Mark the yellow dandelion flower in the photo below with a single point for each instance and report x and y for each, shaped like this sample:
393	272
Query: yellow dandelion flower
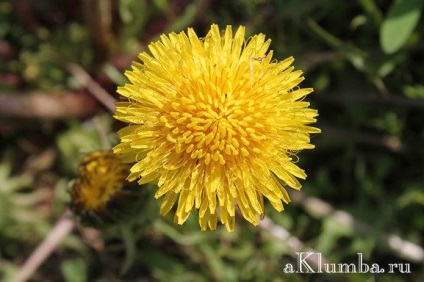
102	177
215	121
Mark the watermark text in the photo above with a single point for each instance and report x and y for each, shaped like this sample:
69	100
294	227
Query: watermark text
304	265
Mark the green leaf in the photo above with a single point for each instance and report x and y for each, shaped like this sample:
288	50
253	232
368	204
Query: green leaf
401	20
414	91
74	270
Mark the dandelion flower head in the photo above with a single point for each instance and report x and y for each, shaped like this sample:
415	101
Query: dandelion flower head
101	177
216	122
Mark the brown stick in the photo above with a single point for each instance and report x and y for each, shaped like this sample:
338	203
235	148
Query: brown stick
291	241
37	105
98	17
394	243
62	228
391	143
369	98
95	89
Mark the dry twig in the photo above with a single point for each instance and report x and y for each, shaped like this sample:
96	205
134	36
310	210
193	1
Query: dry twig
62	228
58	105
388	142
291	241
95	89
318	208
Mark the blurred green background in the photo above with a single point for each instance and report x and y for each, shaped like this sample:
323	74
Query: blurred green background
365	187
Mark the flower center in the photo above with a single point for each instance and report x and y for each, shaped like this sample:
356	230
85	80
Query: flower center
214	132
